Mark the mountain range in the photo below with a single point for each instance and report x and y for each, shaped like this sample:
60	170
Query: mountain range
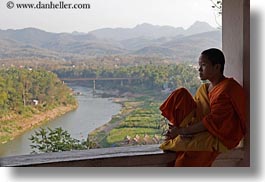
142	40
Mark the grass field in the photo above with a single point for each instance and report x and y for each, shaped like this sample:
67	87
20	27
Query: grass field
139	116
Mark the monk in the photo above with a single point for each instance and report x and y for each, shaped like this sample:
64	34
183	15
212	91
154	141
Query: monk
211	122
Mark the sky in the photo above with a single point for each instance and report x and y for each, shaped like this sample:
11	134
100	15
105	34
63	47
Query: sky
106	14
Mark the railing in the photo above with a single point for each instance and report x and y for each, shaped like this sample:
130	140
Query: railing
133	156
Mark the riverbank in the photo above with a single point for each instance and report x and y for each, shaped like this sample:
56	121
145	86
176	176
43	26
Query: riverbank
100	133
13	126
139	116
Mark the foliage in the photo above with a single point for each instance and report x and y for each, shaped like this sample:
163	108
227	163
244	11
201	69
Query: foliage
55	140
142	119
141	115
217	5
149	76
20	87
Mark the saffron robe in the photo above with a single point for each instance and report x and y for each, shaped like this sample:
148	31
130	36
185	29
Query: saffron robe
227	118
222	112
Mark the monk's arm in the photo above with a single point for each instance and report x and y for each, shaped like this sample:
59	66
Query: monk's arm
190	130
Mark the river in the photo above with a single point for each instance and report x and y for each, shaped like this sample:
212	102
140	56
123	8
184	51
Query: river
91	113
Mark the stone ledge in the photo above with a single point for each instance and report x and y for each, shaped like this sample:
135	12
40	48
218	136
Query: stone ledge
133	156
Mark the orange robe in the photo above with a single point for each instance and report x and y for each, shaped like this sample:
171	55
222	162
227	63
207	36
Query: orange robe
224	107
227	119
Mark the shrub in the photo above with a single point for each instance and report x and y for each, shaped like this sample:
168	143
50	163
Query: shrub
49	140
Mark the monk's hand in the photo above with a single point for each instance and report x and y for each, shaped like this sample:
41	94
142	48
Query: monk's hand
167	135
172	132
186	137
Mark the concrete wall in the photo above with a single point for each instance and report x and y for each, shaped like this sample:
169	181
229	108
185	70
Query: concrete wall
236	47
132	156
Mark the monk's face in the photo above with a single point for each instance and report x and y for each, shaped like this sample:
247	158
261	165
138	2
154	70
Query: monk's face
206	69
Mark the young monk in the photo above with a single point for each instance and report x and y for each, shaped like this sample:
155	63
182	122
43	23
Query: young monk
211	122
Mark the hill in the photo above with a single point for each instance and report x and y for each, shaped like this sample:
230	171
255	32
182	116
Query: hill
151	31
142	40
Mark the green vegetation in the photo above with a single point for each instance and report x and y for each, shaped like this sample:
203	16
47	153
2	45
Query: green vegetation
25	93
148	77
19	88
56	140
140	116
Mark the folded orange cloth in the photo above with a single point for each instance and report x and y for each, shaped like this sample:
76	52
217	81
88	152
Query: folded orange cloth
181	109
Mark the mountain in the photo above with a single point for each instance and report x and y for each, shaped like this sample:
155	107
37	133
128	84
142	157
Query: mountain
142	40
199	27
62	43
13	49
150	31
183	48
31	36
188	47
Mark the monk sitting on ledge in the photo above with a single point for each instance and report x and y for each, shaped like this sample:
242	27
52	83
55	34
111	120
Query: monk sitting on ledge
211	122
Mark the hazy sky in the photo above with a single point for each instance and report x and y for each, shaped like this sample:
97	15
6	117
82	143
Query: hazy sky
107	13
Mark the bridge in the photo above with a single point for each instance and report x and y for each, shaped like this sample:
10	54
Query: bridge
99	78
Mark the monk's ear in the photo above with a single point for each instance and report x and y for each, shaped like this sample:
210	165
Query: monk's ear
217	67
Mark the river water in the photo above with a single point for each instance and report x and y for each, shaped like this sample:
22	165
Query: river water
92	113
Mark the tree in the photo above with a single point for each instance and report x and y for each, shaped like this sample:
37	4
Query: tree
3	95
55	140
19	87
217	5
